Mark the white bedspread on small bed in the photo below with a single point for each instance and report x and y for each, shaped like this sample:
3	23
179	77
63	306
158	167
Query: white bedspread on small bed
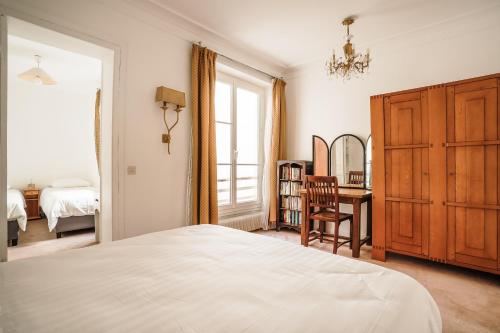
15	208
65	202
209	279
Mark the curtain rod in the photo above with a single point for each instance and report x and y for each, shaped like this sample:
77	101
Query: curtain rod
242	64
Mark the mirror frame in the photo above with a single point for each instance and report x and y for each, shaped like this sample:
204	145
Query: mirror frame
366	161
364	158
329	148
314	138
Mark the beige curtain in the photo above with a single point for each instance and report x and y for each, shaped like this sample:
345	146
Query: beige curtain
278	142
97	128
204	160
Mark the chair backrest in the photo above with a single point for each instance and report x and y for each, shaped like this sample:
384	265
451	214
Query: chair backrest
356	177
322	193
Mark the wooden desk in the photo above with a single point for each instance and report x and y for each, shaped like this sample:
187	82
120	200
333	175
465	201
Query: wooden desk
354	197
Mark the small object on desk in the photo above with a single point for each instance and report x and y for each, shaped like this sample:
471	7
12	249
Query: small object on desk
32	197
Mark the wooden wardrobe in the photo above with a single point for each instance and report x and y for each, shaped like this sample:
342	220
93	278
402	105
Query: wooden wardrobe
436	174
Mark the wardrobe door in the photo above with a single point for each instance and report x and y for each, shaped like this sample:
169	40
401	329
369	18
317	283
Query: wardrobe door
473	174
406	129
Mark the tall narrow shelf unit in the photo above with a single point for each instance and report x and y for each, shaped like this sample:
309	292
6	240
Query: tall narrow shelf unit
291	179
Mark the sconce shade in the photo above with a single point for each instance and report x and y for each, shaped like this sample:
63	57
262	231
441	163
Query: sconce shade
164	94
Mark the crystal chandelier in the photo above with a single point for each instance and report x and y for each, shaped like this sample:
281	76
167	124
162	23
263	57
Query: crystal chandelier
352	63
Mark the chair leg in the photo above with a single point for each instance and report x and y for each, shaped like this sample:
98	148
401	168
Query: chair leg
14	242
321	230
336	238
58	234
350	233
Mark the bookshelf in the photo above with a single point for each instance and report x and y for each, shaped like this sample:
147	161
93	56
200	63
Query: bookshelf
291	179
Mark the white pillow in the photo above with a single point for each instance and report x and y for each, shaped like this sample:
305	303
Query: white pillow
70	182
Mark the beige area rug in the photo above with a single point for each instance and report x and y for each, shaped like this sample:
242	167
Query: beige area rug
469	301
38	241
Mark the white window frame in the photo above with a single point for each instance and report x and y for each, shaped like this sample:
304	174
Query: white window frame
235	208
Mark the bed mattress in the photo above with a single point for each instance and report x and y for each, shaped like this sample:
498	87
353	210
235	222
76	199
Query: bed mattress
15	208
209	279
65	202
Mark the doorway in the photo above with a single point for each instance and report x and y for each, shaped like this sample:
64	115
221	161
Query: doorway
57	134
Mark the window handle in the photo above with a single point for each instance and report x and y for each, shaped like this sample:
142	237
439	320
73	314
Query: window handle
235	155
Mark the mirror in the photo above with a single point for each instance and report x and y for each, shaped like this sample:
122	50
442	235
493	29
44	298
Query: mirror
320	156
368	166
347	161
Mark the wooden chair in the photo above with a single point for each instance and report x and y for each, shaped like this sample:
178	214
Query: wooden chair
356	177
322	205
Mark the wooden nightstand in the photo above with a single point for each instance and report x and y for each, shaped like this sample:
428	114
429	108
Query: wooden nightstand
32	197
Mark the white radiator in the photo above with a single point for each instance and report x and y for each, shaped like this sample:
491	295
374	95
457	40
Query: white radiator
247	222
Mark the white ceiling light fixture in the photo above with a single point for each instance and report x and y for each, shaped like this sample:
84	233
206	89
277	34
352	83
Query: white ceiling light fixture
37	75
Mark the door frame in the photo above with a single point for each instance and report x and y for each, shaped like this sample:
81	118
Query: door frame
114	215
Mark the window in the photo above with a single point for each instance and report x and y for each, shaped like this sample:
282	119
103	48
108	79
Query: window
239	123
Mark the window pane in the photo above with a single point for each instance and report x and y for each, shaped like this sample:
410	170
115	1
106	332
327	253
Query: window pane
223	137
247	126
222	102
246	183
224	184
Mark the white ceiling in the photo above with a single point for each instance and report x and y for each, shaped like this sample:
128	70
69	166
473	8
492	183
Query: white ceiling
294	32
64	66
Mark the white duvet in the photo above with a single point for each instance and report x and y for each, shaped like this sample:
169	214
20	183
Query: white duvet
15	207
65	202
209	279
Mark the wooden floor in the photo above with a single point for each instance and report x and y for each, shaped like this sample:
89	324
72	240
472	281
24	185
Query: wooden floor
38	241
469	301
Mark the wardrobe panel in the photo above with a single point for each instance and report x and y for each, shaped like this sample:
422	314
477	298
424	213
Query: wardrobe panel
472	168
435	182
379	223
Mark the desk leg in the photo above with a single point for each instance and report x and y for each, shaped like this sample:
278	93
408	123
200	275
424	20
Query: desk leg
369	221
356	230
304	225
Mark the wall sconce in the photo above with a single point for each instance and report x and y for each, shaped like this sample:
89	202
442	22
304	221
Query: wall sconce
170	96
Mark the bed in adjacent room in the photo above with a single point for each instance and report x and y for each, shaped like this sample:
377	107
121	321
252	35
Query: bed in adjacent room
16	215
69	208
209	278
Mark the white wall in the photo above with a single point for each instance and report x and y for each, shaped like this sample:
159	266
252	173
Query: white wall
329	107
51	128
151	54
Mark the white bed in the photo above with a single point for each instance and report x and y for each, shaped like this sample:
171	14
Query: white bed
209	279
15	208
65	202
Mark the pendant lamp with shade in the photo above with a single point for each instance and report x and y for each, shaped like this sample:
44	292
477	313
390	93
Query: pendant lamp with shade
37	75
